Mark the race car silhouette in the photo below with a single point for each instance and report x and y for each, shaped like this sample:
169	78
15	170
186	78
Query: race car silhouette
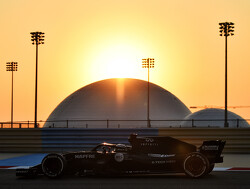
144	155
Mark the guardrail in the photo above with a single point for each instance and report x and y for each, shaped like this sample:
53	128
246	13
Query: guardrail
20	140
125	123
69	139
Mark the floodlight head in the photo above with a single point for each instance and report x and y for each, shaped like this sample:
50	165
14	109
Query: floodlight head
11	66
226	29
148	63
36	37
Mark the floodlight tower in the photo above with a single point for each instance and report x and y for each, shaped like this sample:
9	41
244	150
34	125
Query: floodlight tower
148	63
226	29
11	66
37	38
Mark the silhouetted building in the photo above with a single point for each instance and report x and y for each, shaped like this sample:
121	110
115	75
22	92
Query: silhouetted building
213	117
123	100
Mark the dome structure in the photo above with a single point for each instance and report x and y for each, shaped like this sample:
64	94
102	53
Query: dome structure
213	117
117	103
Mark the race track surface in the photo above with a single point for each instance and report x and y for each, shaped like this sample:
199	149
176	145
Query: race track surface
220	180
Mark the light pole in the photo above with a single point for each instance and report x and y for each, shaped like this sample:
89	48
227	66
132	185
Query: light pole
148	63
226	29
11	66
37	38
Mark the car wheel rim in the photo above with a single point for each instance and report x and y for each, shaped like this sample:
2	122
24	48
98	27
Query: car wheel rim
195	165
52	166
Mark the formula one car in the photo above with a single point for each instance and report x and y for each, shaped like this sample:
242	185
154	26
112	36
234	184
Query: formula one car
145	155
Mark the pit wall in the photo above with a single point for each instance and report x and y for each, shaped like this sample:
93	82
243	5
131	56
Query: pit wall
72	139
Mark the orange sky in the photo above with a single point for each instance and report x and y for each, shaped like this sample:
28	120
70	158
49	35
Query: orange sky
87	41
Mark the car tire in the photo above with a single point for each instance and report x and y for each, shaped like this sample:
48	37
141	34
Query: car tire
210	169
53	165
195	165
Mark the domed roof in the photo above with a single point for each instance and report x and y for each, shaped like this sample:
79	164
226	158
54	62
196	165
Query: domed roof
213	117
117	99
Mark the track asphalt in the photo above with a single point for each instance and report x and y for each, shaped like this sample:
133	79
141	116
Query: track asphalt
232	174
232	162
215	180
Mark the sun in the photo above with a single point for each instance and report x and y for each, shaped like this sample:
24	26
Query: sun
119	61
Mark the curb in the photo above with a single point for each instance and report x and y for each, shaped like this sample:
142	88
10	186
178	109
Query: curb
231	169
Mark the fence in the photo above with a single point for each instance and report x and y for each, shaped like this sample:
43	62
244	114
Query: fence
24	124
127	123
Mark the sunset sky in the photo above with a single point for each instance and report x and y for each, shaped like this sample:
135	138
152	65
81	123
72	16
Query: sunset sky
91	40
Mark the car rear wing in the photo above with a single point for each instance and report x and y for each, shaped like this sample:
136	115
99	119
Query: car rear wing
212	150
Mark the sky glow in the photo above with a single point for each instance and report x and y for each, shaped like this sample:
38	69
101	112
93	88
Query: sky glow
87	41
